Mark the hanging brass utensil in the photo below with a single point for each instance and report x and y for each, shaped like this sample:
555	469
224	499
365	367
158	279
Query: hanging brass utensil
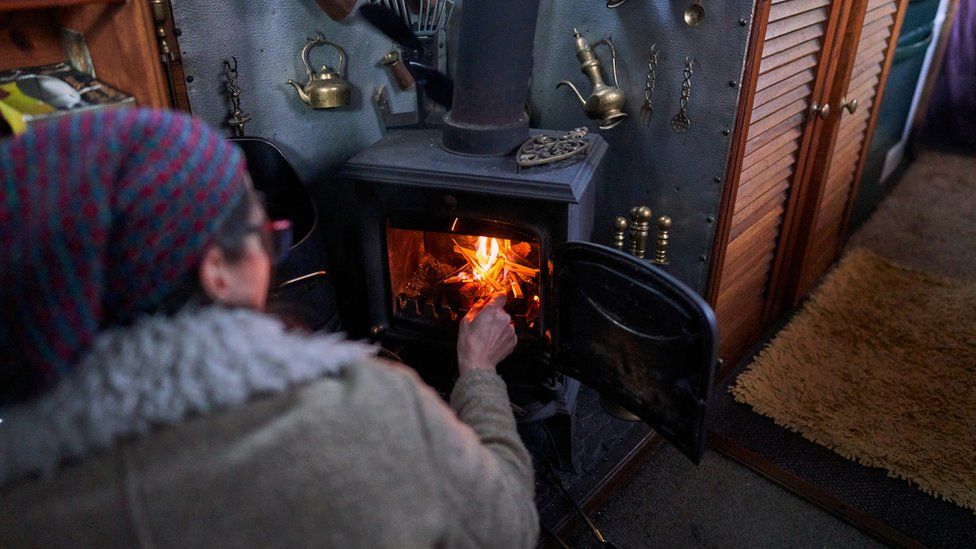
695	14
328	88
647	109
605	103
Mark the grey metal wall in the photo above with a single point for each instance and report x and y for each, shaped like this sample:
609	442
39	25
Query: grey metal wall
677	174
673	173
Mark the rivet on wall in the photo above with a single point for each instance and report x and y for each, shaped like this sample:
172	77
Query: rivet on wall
742	22
726	131
710	219
717	179
702	258
189	78
732	83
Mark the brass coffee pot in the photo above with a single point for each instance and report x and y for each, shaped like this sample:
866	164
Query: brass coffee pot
326	89
605	102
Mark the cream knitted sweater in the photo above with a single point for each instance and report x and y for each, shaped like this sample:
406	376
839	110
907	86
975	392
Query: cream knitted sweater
218	428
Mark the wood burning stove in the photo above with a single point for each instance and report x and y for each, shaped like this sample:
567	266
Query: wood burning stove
446	218
439	230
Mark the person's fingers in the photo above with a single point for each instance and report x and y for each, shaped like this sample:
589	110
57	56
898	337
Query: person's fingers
476	309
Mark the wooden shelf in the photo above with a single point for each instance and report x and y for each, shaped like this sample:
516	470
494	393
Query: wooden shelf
120	36
13	5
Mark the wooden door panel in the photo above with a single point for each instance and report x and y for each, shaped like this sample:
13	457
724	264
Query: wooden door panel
866	73
789	9
797	107
763	139
774	157
797	22
757	188
790	65
811	46
800	92
773	146
749	206
785	71
787	41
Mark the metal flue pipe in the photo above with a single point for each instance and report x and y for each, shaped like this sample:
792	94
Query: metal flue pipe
491	84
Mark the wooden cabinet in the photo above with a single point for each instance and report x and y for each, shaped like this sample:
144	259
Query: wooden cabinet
797	155
121	38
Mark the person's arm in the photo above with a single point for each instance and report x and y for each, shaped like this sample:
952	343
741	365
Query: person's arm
487	472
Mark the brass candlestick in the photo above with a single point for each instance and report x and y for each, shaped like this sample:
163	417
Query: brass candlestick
640	217
619	232
663	233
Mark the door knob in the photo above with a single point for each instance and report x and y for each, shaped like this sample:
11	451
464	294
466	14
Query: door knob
850	106
817	109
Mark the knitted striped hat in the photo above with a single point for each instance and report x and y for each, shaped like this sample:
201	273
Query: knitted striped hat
101	216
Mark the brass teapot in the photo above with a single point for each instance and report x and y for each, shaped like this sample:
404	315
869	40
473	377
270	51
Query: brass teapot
605	102
326	89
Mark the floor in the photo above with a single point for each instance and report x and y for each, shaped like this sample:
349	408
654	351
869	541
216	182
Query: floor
672	503
927	222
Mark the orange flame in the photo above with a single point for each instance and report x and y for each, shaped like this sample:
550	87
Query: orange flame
494	266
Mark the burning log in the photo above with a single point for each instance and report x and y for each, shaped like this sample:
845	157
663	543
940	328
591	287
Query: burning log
493	266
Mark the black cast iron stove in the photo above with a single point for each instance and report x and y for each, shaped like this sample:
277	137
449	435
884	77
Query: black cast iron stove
440	231
445	219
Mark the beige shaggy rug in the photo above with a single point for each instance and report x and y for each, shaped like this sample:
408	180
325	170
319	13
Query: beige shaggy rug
880	366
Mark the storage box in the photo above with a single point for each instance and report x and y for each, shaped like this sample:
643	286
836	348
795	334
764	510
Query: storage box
39	93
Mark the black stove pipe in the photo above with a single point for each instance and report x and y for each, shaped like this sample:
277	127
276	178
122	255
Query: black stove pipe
491	84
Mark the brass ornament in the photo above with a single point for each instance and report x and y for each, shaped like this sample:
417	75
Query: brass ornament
647	109
851	105
619	232
640	217
326	89
605	102
546	149
663	235
823	111
403	78
237	118
680	123
694	14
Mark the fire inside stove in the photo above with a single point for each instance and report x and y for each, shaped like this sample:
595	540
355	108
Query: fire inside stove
436	277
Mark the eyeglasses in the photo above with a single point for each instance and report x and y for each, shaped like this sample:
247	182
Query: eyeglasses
275	238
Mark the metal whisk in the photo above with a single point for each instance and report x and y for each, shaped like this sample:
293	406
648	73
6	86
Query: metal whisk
424	17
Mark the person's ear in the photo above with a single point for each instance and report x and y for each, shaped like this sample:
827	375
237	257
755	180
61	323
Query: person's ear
214	275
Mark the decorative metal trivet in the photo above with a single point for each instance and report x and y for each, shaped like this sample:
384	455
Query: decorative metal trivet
546	149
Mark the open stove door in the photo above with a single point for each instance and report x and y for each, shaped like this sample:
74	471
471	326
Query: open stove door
638	336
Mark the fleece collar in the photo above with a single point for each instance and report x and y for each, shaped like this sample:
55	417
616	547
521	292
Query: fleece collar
156	373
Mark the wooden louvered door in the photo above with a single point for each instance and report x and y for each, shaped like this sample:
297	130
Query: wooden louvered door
786	72
859	78
798	155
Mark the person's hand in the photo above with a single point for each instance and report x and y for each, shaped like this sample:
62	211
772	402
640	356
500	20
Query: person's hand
486	337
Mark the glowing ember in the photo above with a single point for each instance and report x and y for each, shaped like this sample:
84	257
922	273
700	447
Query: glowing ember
494	266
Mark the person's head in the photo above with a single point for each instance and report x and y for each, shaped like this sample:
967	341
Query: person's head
109	215
235	269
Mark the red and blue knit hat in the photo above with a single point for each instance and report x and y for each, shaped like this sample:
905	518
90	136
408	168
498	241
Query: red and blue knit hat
101	216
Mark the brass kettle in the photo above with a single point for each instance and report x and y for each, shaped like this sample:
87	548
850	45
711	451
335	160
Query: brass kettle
326	89
605	102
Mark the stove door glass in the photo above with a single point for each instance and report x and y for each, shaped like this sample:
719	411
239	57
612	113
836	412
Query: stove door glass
436	276
638	336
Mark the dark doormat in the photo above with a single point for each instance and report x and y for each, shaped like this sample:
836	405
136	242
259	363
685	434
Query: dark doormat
887	508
